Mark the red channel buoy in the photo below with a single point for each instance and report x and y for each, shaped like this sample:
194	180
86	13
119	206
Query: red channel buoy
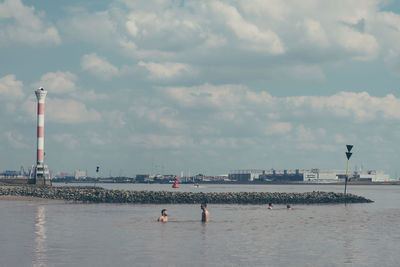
175	185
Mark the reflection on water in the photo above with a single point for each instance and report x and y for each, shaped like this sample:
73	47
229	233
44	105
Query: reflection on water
347	240
204	230
40	237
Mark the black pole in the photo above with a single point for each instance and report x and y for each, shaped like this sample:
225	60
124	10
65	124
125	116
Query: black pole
347	177
348	155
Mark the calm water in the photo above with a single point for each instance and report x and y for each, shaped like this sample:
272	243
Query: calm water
52	233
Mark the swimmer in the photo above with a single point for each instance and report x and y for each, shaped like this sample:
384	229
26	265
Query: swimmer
270	205
205	215
164	216
289	207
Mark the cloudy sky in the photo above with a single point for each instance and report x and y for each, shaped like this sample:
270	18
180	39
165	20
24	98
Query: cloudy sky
201	86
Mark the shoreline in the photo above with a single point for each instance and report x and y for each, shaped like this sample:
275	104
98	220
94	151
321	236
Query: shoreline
237	183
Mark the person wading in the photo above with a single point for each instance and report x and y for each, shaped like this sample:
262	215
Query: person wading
205	215
164	216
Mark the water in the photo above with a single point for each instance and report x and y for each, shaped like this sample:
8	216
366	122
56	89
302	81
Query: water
54	233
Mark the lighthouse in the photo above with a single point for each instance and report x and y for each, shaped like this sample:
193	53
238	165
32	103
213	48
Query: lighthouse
41	171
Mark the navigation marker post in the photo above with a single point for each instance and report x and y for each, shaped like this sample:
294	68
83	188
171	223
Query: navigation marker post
97	175
348	155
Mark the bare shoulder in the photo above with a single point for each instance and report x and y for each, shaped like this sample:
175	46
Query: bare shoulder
162	219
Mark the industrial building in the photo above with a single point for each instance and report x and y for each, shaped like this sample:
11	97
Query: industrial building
265	175
307	176
331	176
78	174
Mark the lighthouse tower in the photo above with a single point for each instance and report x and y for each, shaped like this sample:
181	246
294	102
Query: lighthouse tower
41	171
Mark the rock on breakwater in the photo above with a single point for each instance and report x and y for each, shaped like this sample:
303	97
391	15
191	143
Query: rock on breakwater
101	195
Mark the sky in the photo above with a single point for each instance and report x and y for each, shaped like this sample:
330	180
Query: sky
201	86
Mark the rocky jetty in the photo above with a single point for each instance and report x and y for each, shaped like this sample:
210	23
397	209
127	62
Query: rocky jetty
101	195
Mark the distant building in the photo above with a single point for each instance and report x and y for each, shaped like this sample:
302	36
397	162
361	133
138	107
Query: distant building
265	175
63	175
323	176
373	176
331	176
78	174
142	177
245	175
11	174
311	176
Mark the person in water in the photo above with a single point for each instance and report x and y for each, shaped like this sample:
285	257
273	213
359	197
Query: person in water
164	216
270	206
205	215
289	207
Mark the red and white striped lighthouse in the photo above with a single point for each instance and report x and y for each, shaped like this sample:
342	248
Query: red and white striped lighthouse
41	97
41	171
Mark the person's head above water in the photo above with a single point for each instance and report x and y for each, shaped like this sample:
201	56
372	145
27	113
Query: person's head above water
164	212
203	206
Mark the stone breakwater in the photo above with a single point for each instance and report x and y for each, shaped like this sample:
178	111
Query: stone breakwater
101	195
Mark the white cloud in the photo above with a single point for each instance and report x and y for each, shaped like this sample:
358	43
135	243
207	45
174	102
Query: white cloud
65	111
361	106
20	24
116	117
98	66
68	140
214	41
10	88
304	134
15	139
70	111
113	30
165	116
276	9
304	34
226	142
387	30
131	26
222	96
58	82
314	33
130	48
90	95
363	46
262	40
278	128
165	70
340	139
98	27
96	139
154	141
